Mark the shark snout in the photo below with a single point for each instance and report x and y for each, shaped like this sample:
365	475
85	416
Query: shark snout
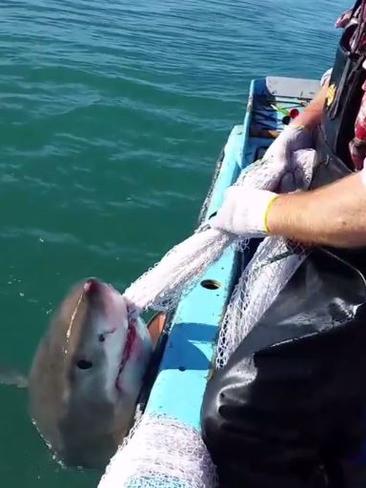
98	292
92	287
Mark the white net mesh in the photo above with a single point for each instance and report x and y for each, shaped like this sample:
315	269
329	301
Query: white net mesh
272	266
161	287
270	269
160	451
265	174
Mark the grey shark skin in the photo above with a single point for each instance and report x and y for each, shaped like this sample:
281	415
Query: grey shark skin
87	374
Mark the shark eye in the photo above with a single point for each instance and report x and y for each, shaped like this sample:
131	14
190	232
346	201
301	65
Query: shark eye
101	337
84	364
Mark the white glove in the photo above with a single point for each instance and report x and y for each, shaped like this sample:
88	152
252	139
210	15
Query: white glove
280	154
245	208
277	171
244	212
292	138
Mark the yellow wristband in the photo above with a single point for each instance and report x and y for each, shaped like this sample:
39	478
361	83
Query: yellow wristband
266	214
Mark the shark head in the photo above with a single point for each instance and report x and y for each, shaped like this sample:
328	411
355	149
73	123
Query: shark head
87	374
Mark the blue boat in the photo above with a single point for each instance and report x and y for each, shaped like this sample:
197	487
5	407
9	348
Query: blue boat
187	347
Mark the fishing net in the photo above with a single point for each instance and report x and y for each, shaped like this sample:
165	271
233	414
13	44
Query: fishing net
160	451
272	266
161	287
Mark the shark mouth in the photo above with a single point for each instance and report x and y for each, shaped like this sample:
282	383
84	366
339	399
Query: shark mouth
130	340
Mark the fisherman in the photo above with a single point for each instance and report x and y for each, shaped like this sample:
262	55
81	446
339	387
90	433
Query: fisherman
292	413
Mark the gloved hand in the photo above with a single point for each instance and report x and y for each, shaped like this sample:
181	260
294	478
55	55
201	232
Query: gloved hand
292	138
244	212
277	171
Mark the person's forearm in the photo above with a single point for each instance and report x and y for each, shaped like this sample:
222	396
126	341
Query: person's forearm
311	116
333	215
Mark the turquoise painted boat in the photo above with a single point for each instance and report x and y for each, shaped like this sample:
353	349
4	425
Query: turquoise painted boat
187	347
190	348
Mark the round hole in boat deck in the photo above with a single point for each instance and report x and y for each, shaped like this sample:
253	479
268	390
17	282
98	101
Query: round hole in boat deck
182	368
211	284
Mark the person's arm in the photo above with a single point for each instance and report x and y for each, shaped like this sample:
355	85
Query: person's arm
312	114
333	215
278	172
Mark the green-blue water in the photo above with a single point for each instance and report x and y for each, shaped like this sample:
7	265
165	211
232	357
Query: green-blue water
111	117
